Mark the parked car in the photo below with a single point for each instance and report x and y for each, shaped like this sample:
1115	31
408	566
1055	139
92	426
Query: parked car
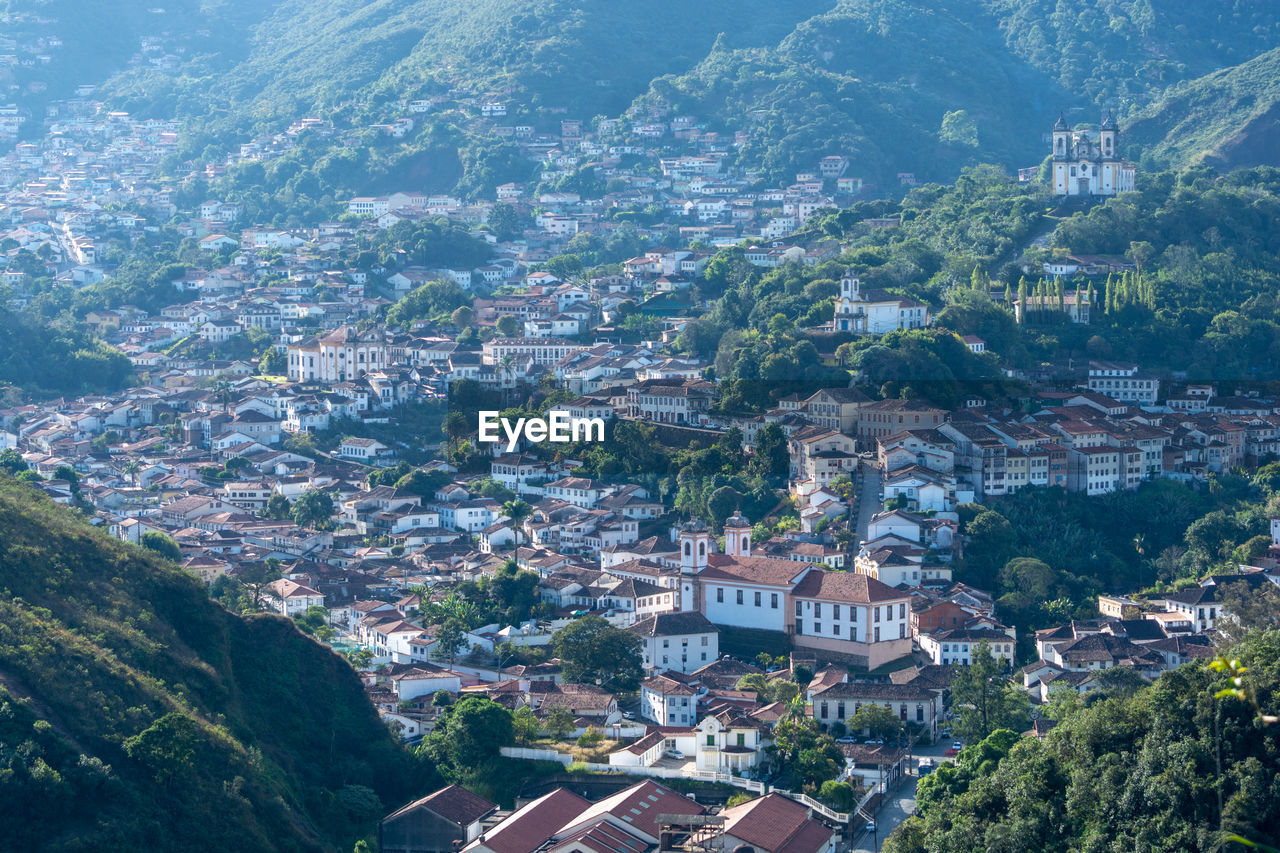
675	753
871	826
875	741
847	739
629	715
957	745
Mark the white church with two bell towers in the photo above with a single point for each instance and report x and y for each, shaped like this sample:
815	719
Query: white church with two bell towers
1084	166
840	616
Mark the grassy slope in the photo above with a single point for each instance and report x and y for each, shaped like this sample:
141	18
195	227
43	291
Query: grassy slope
98	641
1230	118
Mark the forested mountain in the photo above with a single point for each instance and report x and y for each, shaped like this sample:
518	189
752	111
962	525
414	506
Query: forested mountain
589	57
899	85
136	713
85	41
1227	119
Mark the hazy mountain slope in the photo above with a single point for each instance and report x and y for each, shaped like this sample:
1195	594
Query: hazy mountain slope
590	56
1227	119
1124	52
98	39
898	85
875	80
137	714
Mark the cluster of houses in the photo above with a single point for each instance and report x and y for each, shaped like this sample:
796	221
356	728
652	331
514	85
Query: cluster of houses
646	817
650	158
217	454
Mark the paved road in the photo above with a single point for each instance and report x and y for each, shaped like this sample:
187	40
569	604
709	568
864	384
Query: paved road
900	804
868	495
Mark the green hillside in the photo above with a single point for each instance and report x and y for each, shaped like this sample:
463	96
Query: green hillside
99	39
1227	119
588	57
137	714
1122	53
897	85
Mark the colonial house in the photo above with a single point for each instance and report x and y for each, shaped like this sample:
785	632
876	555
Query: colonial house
437	823
682	642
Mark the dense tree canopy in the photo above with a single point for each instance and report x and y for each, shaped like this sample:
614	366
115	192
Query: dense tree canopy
1166	767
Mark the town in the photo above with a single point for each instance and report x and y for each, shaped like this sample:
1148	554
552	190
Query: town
313	430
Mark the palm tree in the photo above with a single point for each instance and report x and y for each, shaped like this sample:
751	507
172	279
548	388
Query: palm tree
505	364
516	510
223	389
131	469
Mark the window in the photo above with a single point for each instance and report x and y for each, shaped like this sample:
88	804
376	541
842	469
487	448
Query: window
902	611
719	595
797	608
704	641
711	740
757	599
877	639
817	627
773	600
877	614
824	710
664	658
840	711
799	627
666	644
853	614
688	550
919	713
817	609
739	596
742	739
902	631
835	612
835	629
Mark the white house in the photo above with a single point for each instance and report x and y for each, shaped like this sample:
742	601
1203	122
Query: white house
291	598
677	641
668	702
875	311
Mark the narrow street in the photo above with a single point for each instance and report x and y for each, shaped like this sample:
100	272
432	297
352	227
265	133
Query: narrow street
899	806
868	495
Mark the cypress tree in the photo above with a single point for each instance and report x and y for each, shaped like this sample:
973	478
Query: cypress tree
977	281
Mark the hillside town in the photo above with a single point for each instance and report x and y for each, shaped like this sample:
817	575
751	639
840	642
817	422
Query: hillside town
327	480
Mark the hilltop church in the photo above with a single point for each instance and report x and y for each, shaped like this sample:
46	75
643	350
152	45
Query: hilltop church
1086	166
